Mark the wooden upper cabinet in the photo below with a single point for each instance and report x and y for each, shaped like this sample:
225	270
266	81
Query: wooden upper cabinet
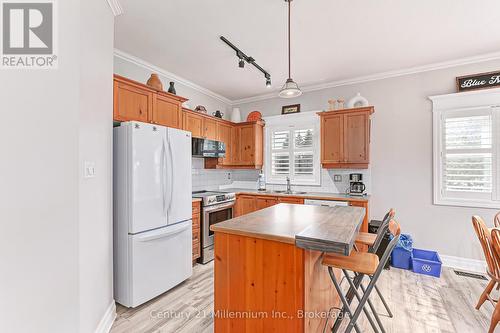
250	145
224	135
167	112
345	138
131	102
235	144
210	128
194	123
134	101
357	141
332	137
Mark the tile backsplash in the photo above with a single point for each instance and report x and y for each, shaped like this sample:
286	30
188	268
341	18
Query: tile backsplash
213	179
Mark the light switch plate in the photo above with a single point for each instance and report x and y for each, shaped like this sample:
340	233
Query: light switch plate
89	169
337	178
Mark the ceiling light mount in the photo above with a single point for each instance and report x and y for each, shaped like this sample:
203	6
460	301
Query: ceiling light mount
244	58
290	89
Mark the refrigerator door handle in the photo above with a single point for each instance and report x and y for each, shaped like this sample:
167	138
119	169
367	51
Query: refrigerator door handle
165	232
171	180
162	178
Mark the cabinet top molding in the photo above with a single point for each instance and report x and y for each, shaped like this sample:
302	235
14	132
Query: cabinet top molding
370	109
120	78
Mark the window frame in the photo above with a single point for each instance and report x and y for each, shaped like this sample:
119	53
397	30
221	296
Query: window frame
291	123
471	103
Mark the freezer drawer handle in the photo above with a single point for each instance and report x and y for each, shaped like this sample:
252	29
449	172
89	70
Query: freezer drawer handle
164	234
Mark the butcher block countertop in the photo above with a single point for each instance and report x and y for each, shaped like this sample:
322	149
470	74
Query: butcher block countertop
337	226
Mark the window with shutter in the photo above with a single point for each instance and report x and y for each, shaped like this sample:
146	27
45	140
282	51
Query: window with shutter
467	159
293	151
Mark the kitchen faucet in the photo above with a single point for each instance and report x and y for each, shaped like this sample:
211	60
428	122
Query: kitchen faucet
288	186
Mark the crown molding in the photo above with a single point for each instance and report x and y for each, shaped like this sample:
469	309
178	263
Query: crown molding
380	76
144	64
116	7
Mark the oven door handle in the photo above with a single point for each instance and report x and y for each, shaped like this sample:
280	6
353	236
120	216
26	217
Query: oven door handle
218	207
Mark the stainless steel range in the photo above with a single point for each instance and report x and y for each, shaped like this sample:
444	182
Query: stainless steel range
216	207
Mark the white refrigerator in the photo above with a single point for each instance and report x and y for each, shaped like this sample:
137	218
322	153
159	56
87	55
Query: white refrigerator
152	211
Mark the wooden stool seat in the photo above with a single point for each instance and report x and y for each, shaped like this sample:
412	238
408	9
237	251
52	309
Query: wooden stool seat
366	238
361	262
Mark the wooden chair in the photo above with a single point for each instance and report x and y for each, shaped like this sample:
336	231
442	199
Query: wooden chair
490	243
495	241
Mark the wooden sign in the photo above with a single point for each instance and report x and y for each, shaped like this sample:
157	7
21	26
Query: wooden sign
287	109
478	81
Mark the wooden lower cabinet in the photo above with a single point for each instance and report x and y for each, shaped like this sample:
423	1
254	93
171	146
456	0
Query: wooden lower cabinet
291	200
196	230
265	201
245	204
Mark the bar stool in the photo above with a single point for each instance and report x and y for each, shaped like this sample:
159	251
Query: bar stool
497	220
373	242
361	263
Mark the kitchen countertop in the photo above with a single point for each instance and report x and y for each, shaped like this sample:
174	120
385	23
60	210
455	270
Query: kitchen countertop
337	226
308	195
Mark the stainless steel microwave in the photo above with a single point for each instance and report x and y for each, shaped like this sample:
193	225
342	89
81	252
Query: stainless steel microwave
208	148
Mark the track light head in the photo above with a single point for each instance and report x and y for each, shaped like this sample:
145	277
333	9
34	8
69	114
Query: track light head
268	83
241	63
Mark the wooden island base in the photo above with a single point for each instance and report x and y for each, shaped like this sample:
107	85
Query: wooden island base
269	286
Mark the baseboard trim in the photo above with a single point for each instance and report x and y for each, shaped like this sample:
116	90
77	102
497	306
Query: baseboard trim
107	320
466	264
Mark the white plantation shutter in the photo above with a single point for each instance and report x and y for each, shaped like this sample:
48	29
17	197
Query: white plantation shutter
293	151
469	156
468	153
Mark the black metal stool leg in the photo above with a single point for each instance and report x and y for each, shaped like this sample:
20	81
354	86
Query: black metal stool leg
368	316
389	312
349	297
343	299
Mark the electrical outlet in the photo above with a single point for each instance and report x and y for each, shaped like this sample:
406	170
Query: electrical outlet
337	178
229	175
89	169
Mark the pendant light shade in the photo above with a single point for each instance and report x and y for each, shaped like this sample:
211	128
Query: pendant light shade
290	88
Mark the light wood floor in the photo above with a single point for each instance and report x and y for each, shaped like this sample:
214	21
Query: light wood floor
419	303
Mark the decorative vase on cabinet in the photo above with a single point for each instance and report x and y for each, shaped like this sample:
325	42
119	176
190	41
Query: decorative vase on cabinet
171	88
236	115
155	82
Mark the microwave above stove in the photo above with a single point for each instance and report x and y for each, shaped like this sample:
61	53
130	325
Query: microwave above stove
208	148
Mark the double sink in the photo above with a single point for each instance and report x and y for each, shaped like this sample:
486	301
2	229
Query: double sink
284	192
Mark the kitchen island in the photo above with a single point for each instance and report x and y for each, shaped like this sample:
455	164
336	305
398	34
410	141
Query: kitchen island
264	282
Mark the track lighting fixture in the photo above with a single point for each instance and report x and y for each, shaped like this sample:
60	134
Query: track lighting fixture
268	81
244	58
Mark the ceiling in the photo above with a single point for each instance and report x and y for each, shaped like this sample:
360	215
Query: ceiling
332	40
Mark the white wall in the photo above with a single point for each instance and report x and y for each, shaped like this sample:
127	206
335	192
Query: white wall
95	144
401	154
39	190
141	74
46	248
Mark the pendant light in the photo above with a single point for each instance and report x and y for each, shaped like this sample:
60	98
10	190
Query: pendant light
290	88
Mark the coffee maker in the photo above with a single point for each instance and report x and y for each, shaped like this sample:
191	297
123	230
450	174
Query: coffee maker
356	186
